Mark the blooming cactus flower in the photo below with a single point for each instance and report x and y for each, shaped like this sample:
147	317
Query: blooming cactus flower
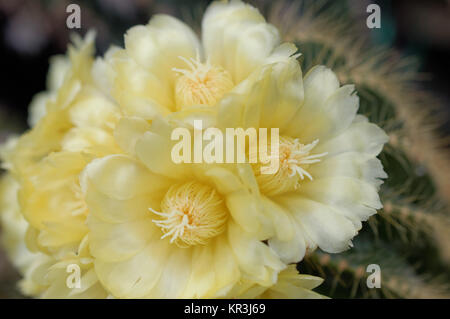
160	229
76	126
98	187
328	177
164	67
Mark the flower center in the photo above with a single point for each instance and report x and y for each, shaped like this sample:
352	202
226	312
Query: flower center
294	159
201	84
191	213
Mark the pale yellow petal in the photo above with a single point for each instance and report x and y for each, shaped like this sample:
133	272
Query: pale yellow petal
91	109
333	117
139	92
158	45
268	98
361	136
121	177
257	261
319	84
119	241
135	277
331	231
154	151
89	139
225	266
353	198
350	164
38	107
202	277
236	36
288	241
175	275
128	131
58	70
116	211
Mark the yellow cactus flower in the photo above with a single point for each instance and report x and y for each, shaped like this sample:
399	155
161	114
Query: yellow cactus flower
99	188
52	202
164	66
328	177
76	127
77	115
163	230
44	275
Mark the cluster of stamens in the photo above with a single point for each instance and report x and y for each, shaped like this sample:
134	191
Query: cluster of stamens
201	84
294	160
296	157
191	214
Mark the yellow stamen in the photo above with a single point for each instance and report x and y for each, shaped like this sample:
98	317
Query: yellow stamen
191	214
294	159
202	84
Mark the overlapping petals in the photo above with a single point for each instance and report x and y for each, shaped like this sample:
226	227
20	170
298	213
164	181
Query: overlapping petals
236	42
94	182
335	150
132	257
